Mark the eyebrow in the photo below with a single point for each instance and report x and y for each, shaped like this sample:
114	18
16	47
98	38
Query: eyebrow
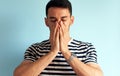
55	17
64	17
52	17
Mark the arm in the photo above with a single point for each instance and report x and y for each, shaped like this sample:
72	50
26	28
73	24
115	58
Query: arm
29	68
79	67
89	69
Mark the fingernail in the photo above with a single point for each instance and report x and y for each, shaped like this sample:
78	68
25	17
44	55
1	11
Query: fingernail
60	21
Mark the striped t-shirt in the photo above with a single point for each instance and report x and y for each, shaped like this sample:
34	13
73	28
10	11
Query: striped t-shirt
59	67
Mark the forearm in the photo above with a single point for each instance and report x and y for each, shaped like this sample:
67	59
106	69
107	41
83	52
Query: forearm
35	68
82	69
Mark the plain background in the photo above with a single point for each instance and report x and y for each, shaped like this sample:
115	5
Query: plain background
96	21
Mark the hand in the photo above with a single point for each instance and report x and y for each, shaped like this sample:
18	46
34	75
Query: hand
54	37
64	37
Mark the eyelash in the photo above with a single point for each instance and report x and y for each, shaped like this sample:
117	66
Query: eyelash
56	20
63	20
53	20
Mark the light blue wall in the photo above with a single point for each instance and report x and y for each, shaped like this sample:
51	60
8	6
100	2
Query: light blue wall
96	21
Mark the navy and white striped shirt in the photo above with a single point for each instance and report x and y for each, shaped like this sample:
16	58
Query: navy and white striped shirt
59	66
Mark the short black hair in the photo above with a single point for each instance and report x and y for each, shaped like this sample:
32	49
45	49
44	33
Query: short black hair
59	3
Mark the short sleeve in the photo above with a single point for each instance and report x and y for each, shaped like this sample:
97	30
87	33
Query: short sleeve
91	55
30	53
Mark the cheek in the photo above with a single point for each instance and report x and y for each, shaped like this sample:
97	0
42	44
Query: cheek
51	26
67	23
52	23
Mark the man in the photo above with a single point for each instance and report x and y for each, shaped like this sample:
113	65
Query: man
60	55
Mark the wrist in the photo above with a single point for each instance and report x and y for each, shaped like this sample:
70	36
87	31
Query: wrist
71	57
54	51
66	54
65	50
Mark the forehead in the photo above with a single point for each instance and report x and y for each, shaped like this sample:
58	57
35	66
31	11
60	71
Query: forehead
58	12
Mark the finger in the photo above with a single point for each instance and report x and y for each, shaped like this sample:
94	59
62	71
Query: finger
61	34
55	37
54	29
62	28
57	30
62	24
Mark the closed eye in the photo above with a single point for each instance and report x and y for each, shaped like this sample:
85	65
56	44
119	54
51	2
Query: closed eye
53	19
64	18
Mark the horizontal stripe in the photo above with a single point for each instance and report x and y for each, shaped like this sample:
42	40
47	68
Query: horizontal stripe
61	65
58	72
85	52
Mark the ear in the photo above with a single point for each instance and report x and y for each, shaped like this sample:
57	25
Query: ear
72	20
46	22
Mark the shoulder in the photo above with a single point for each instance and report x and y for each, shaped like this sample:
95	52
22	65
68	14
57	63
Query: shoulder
39	45
82	43
42	43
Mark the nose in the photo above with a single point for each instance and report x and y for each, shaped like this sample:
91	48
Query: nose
59	22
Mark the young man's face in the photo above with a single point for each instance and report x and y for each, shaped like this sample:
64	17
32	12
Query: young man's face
57	15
